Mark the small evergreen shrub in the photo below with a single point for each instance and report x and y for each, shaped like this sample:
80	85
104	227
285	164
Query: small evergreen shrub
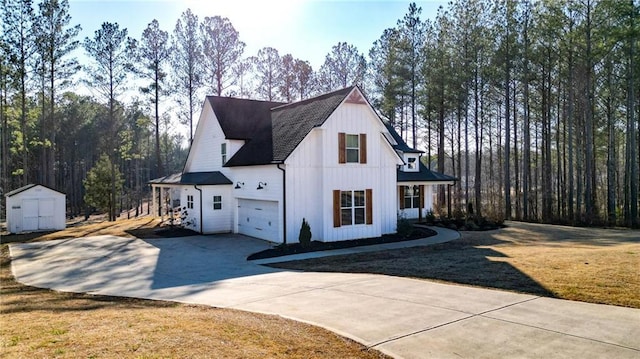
305	234
430	217
404	228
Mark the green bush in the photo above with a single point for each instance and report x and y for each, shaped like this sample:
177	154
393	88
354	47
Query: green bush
404	228
305	234
430	217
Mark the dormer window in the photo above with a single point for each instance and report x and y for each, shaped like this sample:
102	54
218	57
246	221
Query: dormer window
412	163
352	148
223	153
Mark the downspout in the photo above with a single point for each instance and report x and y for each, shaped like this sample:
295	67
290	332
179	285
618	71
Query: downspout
199	190
284	203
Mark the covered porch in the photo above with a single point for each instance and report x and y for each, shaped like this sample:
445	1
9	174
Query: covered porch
416	192
165	196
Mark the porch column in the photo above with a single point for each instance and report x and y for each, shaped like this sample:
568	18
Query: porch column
161	204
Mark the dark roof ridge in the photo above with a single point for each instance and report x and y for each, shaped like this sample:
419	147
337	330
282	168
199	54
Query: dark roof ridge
246	99
311	99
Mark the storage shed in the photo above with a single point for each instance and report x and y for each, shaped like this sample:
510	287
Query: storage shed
35	207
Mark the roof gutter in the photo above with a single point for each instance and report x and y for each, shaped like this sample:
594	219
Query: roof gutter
284	203
199	190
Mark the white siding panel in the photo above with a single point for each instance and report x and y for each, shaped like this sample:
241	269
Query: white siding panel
205	154
304	187
191	216
377	174
199	158
217	221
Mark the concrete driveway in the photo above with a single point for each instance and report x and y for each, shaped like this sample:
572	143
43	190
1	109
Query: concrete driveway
402	317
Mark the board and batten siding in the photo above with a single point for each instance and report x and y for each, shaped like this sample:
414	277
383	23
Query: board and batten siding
314	172
206	141
205	154
304	187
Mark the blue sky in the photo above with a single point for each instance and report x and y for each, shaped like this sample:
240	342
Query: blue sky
305	28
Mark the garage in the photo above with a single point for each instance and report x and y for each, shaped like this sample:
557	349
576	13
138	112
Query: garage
258	219
35	208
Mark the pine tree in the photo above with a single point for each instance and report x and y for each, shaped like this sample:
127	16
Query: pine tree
152	56
186	62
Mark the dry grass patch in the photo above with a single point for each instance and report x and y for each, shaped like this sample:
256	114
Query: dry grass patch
38	323
585	264
120	227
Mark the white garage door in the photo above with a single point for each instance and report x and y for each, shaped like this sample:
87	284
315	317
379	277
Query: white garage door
258	219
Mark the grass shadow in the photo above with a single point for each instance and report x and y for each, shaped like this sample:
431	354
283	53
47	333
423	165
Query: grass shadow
461	261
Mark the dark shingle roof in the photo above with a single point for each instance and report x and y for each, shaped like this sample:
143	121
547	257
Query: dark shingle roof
401	145
241	118
291	123
170	179
424	175
279	130
198	178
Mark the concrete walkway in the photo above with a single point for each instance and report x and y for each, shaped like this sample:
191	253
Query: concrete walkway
402	317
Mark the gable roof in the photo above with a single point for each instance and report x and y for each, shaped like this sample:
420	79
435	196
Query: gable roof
273	130
29	186
291	123
279	130
197	178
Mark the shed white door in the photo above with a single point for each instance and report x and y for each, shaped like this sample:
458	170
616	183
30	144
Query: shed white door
258	219
30	214
46	209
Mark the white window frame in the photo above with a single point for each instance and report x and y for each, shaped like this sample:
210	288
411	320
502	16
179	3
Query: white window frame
217	201
223	152
412	165
352	207
412	193
348	148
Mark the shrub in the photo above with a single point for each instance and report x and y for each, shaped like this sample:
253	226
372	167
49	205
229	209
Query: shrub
430	217
404	228
305	234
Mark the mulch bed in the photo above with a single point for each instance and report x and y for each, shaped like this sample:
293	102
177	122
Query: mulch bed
314	246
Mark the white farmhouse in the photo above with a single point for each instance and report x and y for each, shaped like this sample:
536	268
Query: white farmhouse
258	168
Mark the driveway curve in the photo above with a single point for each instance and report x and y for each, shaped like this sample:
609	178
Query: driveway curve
402	317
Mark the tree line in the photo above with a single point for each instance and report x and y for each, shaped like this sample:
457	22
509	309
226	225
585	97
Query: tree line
56	136
533	105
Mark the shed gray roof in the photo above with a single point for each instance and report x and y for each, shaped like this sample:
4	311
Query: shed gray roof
197	178
24	188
